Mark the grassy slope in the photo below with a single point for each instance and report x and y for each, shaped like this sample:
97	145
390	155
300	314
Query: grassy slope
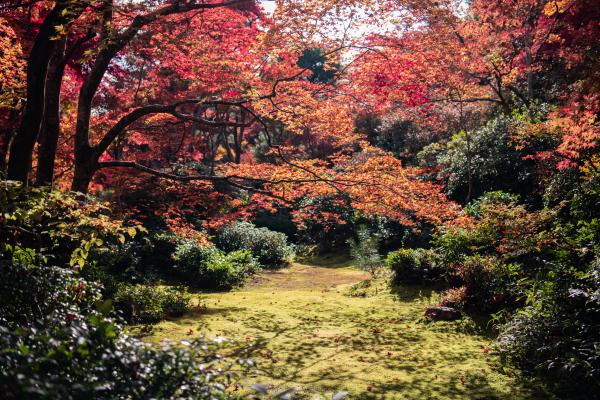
309	335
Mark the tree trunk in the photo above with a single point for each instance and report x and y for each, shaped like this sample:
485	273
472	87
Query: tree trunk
7	134
21	149
86	165
50	131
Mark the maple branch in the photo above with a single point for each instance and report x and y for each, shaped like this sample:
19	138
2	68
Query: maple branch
171	109
189	178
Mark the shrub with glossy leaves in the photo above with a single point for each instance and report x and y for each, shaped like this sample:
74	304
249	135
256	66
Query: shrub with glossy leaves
207	267
270	248
557	336
89	357
29	294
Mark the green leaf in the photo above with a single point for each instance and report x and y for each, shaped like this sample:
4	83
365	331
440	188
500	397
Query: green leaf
131	231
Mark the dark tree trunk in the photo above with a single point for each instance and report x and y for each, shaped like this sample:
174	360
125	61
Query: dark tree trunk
50	131
469	168
21	149
86	165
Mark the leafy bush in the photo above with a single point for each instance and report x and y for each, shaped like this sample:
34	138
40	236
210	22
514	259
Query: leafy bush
557	336
54	343
113	264
270	248
499	227
163	246
454	297
146	260
414	266
210	268
148	304
176	301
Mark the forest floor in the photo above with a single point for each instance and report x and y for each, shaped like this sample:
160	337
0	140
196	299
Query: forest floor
307	333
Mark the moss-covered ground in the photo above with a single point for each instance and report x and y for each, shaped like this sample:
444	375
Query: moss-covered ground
308	334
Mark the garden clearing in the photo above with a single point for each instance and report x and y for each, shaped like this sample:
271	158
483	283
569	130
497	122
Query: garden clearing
307	333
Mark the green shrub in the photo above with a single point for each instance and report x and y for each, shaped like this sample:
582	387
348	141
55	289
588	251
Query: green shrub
207	267
176	301
113	264
29	293
488	283
61	347
414	266
149	304
270	248
146	259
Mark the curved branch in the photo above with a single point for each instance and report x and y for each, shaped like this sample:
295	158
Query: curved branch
189	178
170	109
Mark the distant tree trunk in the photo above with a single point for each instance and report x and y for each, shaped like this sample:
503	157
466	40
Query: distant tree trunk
21	149
50	131
469	154
6	133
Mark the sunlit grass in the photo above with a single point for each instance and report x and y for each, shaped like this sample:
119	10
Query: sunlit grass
306	333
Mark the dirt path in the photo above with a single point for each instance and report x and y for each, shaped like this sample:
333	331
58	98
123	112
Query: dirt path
310	335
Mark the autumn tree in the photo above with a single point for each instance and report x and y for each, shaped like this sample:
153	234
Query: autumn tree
183	91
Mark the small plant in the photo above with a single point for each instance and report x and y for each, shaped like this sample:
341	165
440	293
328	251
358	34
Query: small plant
365	250
360	289
454	297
